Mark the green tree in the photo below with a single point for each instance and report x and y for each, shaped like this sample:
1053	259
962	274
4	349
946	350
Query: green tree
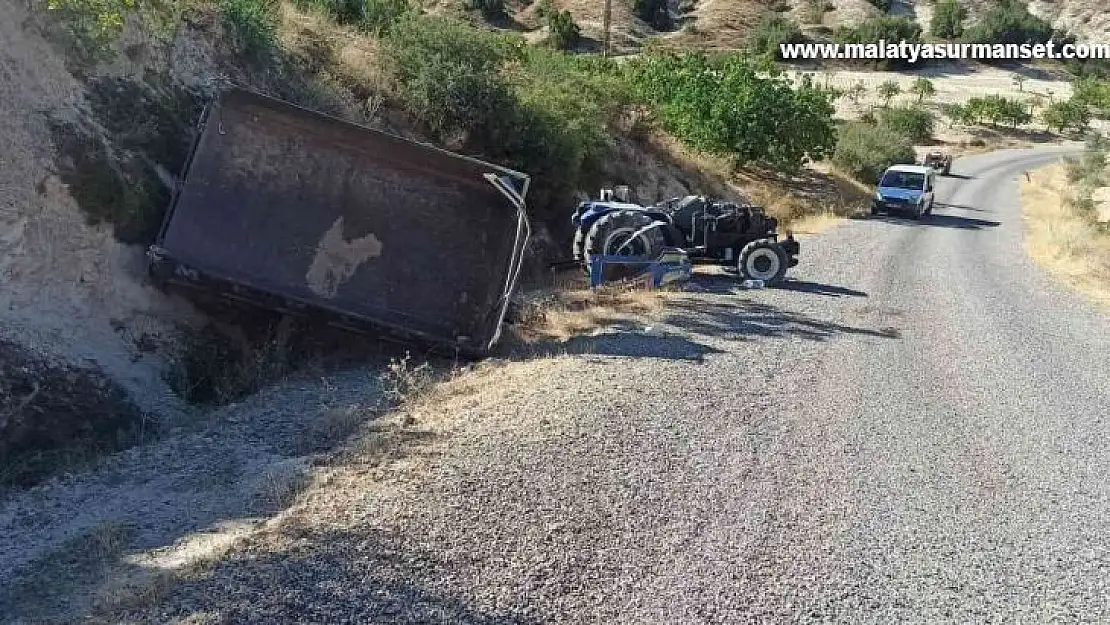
956	113
912	122
948	19
1093	92
1066	115
923	88
865	151
725	105
888	91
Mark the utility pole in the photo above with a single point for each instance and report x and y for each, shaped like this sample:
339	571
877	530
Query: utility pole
607	19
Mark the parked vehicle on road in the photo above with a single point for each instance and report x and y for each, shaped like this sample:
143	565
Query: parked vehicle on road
905	189
735	235
939	161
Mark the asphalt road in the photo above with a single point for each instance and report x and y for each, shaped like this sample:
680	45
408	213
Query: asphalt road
915	430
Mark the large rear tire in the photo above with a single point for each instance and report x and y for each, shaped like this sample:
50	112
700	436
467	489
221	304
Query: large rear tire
622	233
763	260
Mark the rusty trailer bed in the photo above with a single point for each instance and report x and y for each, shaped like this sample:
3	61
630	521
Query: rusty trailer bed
280	204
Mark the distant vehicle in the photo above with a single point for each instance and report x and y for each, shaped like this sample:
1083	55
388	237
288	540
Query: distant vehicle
302	213
905	189
939	161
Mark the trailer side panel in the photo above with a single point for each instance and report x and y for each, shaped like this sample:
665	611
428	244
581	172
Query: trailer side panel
305	206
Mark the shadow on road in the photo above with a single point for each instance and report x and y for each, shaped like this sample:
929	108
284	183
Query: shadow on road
959	176
638	344
756	319
817	288
963	207
730	285
935	221
365	575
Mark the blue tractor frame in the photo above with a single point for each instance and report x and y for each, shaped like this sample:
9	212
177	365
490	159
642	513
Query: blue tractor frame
707	230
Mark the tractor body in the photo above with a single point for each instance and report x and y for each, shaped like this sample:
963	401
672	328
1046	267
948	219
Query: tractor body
734	235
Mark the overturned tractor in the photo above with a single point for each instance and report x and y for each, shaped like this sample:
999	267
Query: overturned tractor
734	235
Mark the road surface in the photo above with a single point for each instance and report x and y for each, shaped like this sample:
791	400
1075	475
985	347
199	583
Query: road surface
915	430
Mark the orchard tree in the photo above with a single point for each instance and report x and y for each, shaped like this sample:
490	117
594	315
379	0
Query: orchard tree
1065	115
923	88
725	105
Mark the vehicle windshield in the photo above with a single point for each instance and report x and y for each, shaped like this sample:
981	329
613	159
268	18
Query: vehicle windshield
903	180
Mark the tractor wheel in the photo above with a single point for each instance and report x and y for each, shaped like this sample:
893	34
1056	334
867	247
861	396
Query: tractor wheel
621	233
763	260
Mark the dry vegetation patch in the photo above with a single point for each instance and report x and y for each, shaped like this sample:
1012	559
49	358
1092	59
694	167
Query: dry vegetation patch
1061	234
559	315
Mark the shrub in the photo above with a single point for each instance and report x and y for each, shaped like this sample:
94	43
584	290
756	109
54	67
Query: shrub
1066	115
564	32
568	102
450	74
871	31
775	29
544	8
912	122
723	106
890	29
948	19
1009	21
530	108
253	24
865	151
89	27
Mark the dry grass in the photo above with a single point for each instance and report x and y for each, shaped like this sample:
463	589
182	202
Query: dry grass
1058	237
562	315
279	484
